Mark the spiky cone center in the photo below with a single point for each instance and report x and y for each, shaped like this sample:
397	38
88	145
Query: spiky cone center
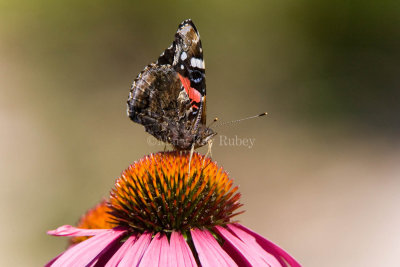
157	194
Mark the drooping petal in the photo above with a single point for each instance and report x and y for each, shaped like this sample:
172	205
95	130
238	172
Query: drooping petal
89	250
165	253
271	247
53	260
134	254
210	252
158	253
180	251
244	253
105	256
252	244
117	257
68	230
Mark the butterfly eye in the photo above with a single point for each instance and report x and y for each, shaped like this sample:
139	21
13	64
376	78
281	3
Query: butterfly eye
196	76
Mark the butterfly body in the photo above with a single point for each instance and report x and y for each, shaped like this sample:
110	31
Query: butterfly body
168	96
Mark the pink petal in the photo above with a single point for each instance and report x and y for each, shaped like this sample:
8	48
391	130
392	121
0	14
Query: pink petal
117	257
68	230
88	251
166	255
135	253
244	248
180	251
157	254
105	256
239	250
251	242
209	251
279	253
53	260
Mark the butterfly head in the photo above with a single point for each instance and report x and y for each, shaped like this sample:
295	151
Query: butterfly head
203	136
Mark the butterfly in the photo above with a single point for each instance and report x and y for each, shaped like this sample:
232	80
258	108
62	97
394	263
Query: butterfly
169	96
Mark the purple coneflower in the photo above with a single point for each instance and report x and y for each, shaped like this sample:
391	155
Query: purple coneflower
158	215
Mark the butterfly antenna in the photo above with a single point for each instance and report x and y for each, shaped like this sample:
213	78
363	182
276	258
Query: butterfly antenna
240	120
214	121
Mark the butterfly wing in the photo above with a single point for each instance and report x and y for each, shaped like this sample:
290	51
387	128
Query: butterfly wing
168	97
167	57
153	101
189	64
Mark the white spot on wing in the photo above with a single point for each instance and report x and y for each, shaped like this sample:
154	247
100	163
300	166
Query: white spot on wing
202	65
193	61
183	56
197	62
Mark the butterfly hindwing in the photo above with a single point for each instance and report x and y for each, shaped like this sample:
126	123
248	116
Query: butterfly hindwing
167	57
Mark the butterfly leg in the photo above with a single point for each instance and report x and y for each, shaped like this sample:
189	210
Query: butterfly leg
210	142
190	158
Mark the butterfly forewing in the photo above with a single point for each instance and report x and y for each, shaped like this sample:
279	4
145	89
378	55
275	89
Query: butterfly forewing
189	63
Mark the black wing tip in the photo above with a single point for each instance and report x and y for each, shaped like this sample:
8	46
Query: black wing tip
187	22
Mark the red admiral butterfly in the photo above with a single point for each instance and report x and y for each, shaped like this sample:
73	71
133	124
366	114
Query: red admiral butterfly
169	97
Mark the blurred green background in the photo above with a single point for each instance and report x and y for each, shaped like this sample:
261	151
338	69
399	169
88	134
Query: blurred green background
323	178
